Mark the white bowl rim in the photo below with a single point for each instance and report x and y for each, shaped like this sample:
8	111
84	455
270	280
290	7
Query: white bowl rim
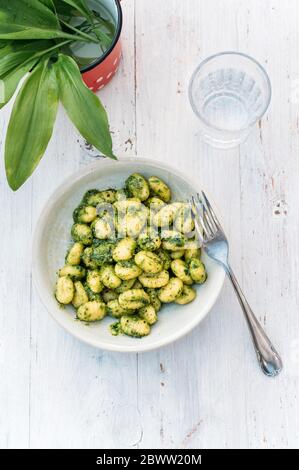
57	193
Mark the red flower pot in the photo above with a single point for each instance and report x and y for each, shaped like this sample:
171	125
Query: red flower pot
100	72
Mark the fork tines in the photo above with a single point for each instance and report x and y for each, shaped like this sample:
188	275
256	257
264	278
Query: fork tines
205	219
196	210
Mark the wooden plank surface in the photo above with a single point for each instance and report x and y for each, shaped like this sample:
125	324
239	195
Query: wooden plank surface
206	389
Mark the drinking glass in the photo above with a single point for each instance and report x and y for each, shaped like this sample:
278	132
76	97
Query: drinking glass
229	92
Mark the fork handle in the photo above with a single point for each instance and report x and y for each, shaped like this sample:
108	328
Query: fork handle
268	358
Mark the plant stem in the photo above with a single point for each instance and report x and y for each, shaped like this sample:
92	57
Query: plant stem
100	34
78	31
41	53
52	48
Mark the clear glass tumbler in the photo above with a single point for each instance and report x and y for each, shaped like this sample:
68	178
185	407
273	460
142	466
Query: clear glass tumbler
229	92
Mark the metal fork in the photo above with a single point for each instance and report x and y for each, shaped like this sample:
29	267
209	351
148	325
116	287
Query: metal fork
216	246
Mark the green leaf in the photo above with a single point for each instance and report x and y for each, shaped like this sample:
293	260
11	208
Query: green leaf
83	106
12	76
23	46
29	19
82	7
97	29
108	25
27	13
19	33
10	81
63	9
10	61
6	47
31	124
15	58
49	4
102	37
32	19
80	34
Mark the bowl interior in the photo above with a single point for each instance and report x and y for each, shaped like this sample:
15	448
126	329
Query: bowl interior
112	11
52	238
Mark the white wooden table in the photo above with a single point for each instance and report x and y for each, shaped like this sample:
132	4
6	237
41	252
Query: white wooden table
206	390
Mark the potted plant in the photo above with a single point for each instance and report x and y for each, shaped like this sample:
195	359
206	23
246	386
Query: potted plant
53	41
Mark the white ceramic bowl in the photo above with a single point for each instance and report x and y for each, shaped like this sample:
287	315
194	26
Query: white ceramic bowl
52	237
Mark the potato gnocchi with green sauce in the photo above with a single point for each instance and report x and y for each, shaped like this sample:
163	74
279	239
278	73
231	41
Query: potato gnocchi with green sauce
133	249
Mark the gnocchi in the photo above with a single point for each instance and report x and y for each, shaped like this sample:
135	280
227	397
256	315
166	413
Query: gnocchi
177	254
165	216
114	309
134	299
74	254
132	252
85	214
127	270
91	311
184	222
80	295
154	203
64	290
124	249
82	233
172	290
180	270
86	258
153	295
149	314
172	240
93	281
148	262
132	224
74	272
149	240
159	188
108	195
126	285
137	185
133	325
192	253
188	295
92	198
102	228
154	281
197	271
109	277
